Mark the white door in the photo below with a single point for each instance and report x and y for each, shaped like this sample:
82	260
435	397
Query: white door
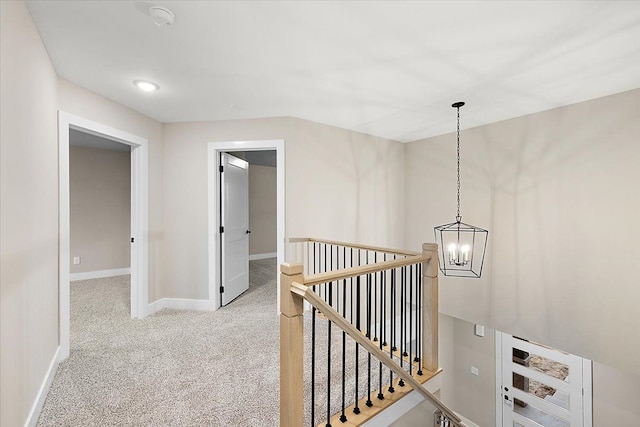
543	387
235	227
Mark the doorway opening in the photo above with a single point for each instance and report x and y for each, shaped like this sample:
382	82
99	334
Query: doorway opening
240	150
68	127
100	206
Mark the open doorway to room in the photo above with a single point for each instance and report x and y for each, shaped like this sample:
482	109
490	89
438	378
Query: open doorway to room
263	208
100	207
246	217
248	209
103	191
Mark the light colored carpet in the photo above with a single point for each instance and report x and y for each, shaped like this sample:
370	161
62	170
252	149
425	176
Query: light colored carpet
175	368
187	368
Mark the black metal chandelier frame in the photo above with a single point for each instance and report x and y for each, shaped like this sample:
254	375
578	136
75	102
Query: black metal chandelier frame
462	246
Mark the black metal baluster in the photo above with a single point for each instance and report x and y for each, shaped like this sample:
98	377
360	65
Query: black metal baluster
345	280
337	267
410	318
313	367
380	394
324	271
394	333
392	346
356	409
403	275
383	297
419	317
375	299
369	402
351	308
343	417
329	361
330	258
368	334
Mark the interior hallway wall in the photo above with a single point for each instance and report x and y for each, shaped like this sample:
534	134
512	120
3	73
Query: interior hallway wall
344	185
28	213
340	185
100	199
615	397
557	191
81	102
263	210
459	349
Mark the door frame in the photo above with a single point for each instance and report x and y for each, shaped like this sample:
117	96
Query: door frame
139	218
215	148
587	386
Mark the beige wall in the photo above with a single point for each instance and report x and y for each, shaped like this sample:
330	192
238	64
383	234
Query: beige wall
615	397
558	192
474	394
28	213
344	185
459	349
185	198
339	185
263	209
76	100
100	198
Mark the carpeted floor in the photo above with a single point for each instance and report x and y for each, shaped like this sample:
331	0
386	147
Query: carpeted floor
188	368
175	368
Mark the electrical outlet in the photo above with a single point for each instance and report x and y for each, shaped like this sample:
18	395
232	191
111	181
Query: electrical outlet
475	371
76	260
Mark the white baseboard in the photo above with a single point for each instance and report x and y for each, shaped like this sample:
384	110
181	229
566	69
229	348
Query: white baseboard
155	306
99	274
179	304
34	413
263	256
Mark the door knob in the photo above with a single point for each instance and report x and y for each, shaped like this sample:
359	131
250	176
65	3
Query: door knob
248	231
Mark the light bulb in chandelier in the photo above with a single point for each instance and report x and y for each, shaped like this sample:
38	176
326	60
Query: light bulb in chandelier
458	254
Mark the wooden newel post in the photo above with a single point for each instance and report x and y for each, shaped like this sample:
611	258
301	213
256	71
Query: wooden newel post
291	347
429	358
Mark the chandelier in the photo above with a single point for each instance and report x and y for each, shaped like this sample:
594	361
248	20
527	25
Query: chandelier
462	246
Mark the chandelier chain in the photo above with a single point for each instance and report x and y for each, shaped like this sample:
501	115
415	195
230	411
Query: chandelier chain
458	217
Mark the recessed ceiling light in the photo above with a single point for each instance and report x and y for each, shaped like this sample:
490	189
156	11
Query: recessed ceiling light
146	86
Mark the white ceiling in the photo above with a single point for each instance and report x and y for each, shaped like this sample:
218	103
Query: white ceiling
258	158
81	139
390	69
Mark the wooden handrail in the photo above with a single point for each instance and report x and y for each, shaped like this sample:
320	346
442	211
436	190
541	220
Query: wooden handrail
354	245
305	292
346	273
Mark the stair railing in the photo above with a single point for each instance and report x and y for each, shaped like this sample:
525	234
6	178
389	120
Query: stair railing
359	290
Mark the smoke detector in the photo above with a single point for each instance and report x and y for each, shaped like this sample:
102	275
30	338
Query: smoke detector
162	16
